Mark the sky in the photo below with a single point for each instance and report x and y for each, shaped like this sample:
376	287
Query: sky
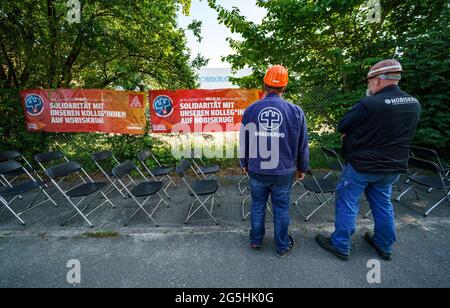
214	44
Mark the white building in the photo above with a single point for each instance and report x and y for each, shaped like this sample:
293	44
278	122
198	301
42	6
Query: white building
218	78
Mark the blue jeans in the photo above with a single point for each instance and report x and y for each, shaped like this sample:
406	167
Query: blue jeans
378	190
280	202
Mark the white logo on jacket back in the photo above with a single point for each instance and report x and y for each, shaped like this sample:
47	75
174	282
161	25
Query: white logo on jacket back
270	119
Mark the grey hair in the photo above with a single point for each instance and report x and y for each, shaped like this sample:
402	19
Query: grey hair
390	76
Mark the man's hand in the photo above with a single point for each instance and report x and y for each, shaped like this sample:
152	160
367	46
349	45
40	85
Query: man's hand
300	176
343	137
245	170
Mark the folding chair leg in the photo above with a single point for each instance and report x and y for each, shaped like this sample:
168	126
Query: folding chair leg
242	190
329	173
165	192
244	216
3	212
141	207
446	198
298	199
107	200
50	198
190	210
268	208
415	191
171	182
202	205
162	199
11	210
321	204
404	193
214	199
79	213
131	217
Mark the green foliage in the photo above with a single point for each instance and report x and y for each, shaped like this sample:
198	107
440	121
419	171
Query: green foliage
101	234
119	44
329	45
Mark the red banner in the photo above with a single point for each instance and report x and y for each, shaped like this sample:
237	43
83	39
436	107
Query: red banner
198	110
84	111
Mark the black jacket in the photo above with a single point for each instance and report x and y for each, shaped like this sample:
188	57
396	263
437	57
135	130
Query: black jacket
379	131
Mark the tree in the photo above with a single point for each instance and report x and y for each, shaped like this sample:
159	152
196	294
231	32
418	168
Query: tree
133	45
329	45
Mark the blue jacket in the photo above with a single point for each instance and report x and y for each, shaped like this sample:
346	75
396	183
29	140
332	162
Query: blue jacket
270	123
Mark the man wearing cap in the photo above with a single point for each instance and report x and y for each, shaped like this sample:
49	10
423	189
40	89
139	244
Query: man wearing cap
377	135
273	150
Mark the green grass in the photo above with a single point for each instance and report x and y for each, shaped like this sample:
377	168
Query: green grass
102	234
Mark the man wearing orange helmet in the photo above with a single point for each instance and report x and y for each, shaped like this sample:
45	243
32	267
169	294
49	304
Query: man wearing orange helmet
274	148
377	135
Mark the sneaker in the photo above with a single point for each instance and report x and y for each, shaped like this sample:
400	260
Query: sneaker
325	243
282	254
385	256
256	247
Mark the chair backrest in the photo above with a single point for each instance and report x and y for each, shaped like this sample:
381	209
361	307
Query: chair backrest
426	153
183	167
144	155
124	169
63	169
423	152
7	155
423	164
330	153
9	166
48	156
101	156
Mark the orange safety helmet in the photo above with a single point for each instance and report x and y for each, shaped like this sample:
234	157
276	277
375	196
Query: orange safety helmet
276	77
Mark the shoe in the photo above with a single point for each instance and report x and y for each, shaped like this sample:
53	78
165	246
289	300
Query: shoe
256	247
325	243
282	254
385	256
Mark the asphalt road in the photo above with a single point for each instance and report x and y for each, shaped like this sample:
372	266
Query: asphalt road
203	255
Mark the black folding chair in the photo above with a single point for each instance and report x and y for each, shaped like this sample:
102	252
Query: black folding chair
144	189
203	170
431	175
105	161
48	159
334	162
18	156
431	155
16	190
157	174
87	188
198	189
321	186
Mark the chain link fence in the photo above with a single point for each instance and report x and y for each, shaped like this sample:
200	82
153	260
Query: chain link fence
316	104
